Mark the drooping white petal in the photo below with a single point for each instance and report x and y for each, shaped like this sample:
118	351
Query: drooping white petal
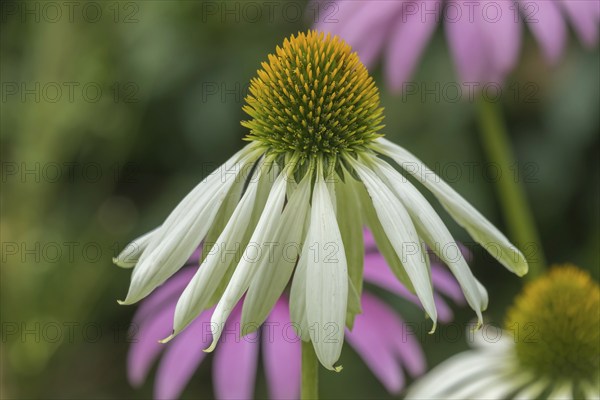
490	384
225	212
198	293
298	297
239	246
183	230
132	252
274	271
254	253
384	246
591	392
350	223
326	279
562	391
459	370
431	227
464	213
533	390
502	386
402	234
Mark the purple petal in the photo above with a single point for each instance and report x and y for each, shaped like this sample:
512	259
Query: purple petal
145	348
584	17
503	34
363	25
182	357
164	295
369	241
370	16
234	365
281	354
377	272
467	45
445	283
408	39
444	311
547	25
333	16
373	337
369	50
409	349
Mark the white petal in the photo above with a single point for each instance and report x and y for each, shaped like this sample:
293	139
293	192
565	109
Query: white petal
246	268
562	391
384	246
503	385
326	279
198	293
130	255
464	213
274	272
490	384
182	232
350	223
298	297
431	227
402	234
459	370
591	392
533	390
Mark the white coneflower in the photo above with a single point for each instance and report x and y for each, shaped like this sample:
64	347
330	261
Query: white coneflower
293	200
550	348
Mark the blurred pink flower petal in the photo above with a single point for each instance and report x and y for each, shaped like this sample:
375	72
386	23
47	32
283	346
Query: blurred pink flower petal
376	346
552	34
281	352
407	42
234	367
181	359
145	348
583	14
484	36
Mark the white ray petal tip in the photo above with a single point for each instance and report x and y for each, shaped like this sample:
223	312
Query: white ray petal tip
211	348
167	339
433	328
521	266
476	327
339	368
122	302
122	263
117	262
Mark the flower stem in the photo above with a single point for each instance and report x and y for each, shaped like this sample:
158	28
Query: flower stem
516	210
310	373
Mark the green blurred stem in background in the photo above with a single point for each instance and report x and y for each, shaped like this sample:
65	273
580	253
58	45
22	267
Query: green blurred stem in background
511	193
310	372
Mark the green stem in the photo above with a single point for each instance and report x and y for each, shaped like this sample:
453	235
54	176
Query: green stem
511	193
310	373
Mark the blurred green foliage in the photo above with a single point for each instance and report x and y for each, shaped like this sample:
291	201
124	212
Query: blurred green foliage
108	120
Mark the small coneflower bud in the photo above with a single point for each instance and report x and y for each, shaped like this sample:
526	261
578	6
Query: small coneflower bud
556	325
318	175
313	98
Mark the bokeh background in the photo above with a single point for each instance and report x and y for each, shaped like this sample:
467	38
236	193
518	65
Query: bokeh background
112	110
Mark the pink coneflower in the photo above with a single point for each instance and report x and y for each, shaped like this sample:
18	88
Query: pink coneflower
379	336
484	35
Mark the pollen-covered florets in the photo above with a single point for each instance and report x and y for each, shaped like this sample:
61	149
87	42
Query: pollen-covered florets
557	327
313	98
